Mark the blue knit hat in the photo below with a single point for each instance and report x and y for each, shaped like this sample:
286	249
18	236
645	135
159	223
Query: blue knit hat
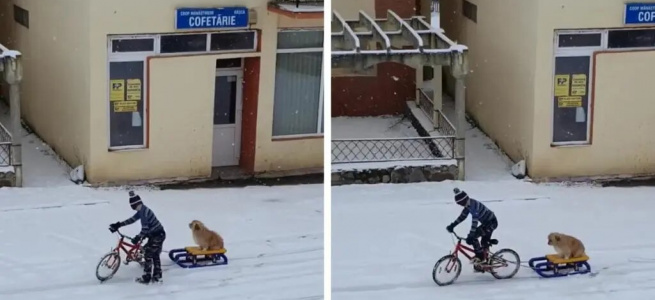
461	197
134	200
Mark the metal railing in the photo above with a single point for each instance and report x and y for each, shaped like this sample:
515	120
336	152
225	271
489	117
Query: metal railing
5	147
392	149
436	116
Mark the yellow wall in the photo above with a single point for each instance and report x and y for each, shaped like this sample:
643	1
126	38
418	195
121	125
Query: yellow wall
55	90
502	59
623	122
349	9
278	155
584	160
510	87
166	156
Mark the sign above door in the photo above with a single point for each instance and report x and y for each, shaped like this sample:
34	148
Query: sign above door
212	18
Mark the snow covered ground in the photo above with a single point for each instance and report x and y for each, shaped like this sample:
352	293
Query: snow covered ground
386	239
484	160
372	127
41	165
52	238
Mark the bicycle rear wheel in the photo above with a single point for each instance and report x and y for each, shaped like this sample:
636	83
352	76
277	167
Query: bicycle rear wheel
504	264
110	261
449	265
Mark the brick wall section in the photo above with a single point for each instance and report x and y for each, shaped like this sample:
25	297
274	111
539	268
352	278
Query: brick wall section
384	94
404	8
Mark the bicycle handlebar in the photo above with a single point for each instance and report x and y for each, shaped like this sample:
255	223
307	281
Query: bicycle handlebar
121	234
457	236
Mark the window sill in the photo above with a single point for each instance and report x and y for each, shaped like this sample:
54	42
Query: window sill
570	145
127	149
297	137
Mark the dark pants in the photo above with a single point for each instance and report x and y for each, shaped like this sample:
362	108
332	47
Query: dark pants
484	231
153	248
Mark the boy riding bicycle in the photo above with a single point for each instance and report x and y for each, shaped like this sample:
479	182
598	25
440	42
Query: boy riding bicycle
479	213
151	229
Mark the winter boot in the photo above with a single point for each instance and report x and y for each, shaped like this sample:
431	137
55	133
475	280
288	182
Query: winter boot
145	279
156	277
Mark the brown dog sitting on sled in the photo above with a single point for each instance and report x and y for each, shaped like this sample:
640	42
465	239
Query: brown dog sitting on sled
566	246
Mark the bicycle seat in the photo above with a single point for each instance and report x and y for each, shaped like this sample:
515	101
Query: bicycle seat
493	242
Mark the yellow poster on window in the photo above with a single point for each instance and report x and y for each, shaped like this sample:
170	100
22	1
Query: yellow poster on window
125	106
117	90
562	84
579	79
566	102
134	89
578	90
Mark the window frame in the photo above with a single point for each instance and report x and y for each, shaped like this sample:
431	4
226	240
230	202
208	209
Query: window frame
319	125
129	57
21	16
606	45
569	52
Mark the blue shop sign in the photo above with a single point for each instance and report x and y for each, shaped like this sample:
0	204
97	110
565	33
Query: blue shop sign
639	13
211	18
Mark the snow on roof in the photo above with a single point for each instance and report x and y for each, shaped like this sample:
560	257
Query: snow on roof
4	52
302	8
10	53
459	48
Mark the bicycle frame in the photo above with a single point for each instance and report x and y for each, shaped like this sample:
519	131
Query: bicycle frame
131	250
467	251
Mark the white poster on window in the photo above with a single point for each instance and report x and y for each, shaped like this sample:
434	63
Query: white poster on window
136	119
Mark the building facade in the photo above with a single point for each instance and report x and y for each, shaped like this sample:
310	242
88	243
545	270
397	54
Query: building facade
563	84
162	89
384	89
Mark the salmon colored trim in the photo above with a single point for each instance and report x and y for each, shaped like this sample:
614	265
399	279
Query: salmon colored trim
593	84
295	15
249	117
284	139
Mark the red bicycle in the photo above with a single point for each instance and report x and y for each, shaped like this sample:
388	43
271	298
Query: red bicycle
494	262
112	260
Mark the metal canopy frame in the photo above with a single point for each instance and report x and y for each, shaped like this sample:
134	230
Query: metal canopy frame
365	42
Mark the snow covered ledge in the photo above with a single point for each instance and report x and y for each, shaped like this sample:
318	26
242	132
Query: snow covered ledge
297	9
394	172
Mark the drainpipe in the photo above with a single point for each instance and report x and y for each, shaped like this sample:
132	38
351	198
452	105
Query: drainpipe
13	71
460	69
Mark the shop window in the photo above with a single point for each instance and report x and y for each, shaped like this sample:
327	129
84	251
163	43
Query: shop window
635	38
180	43
571	103
580	40
22	16
232	41
228	63
470	11
298	99
133	45
127	126
299	39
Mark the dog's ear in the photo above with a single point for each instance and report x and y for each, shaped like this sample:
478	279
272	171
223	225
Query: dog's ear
557	238
196	226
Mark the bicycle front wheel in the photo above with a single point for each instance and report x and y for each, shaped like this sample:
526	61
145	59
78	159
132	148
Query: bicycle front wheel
447	266
108	266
